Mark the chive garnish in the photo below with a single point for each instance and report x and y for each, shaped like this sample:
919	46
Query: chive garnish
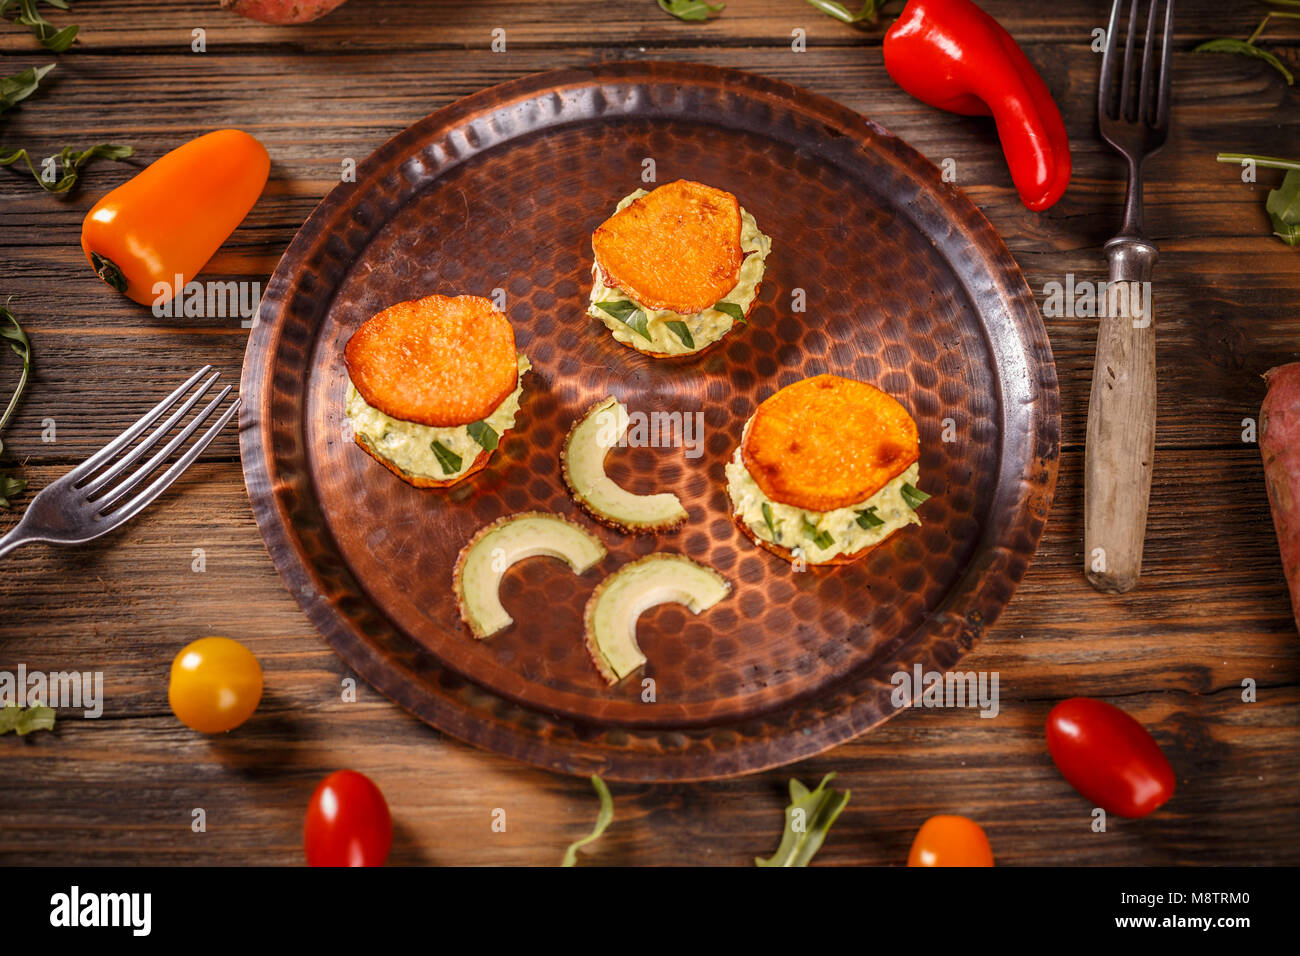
629	314
485	435
680	330
731	309
449	460
822	539
913	495
867	519
771	525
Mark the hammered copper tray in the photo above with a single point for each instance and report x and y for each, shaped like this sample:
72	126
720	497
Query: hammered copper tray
906	285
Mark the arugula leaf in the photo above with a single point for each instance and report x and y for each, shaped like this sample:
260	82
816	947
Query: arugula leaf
913	495
485	435
630	315
25	13
1245	48
822	539
23	720
449	460
603	820
19	86
808	819
680	330
691	9
1283	207
733	310
867	519
10	488
870	10
22	347
771	525
71	160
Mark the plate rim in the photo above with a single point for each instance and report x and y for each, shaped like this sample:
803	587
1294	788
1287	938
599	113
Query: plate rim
565	753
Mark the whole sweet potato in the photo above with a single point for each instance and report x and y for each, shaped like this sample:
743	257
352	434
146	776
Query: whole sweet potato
1279	442
281	11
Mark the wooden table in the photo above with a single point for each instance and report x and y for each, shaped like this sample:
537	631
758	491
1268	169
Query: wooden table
1211	611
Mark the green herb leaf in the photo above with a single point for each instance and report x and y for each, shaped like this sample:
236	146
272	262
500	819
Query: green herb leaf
23	720
808	818
1283	207
630	314
733	310
70	160
21	85
24	12
867	519
913	495
680	330
1245	48
603	820
822	539
449	460
691	9
771	525
22	347
485	435
870	11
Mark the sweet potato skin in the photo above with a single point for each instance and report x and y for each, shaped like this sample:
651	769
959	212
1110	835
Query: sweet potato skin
282	11
1279	443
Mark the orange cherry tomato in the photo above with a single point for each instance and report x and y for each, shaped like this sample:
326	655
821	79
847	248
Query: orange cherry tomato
216	685
950	841
171	217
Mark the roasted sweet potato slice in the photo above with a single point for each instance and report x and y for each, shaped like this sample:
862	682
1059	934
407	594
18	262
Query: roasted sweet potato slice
439	360
828	442
675	248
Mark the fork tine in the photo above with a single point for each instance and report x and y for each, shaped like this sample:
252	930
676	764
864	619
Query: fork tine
106	453
102	479
1146	88
1105	87
165	480
1126	84
1166	67
121	490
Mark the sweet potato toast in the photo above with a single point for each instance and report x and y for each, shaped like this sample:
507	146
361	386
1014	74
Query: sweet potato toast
828	442
675	248
438	360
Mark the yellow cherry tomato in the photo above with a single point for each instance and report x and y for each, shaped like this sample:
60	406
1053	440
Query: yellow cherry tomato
216	685
950	841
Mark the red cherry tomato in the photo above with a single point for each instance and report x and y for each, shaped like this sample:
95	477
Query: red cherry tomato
348	823
950	841
1108	757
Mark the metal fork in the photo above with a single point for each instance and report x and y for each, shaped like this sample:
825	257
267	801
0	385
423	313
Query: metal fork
1133	112
88	502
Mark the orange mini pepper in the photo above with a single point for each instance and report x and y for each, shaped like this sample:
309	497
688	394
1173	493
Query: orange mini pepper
160	228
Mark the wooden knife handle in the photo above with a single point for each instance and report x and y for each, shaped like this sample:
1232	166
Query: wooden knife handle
1121	422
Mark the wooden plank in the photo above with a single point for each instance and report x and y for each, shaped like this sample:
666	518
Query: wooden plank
125	606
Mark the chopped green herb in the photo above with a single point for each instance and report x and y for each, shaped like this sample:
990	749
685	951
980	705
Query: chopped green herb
22	347
822	539
680	330
771	525
870	10
867	519
691	9
24	12
23	720
630	315
731	309
1245	48
1283	206
19	86
808	819
603	820
485	435
449	460
69	160
913	495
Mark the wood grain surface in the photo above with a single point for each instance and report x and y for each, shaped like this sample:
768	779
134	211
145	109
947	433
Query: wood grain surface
1210	612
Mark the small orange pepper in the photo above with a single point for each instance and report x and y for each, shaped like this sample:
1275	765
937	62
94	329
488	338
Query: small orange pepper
950	840
169	219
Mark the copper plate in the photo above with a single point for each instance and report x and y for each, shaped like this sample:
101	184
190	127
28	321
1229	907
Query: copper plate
906	286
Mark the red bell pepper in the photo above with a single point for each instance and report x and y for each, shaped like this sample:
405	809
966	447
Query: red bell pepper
952	55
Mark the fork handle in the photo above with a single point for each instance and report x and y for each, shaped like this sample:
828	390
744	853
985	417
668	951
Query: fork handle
16	536
1121	422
